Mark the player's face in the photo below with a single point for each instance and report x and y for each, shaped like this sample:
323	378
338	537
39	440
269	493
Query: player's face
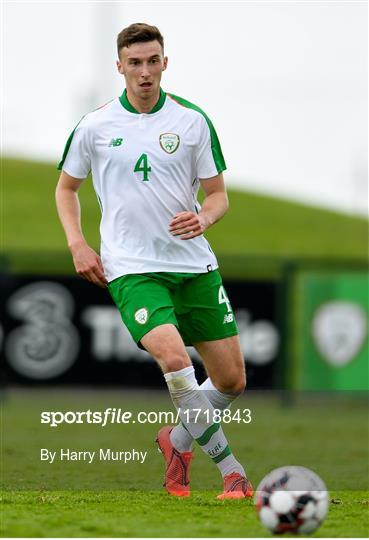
142	65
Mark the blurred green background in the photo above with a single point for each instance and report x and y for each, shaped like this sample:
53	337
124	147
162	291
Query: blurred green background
257	236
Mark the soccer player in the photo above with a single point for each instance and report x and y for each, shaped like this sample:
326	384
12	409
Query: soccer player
149	151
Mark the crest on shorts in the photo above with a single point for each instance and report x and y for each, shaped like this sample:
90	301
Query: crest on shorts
169	142
141	316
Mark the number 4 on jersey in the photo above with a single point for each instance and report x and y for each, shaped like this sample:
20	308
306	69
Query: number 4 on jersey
143	166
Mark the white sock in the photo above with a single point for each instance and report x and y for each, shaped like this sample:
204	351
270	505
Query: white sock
196	413
179	436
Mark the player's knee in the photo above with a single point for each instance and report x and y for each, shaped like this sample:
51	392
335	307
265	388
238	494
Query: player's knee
235	384
238	386
173	361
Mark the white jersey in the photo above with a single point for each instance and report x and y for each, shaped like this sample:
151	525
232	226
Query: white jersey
145	169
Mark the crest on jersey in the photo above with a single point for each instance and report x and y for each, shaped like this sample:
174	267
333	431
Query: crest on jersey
169	142
141	316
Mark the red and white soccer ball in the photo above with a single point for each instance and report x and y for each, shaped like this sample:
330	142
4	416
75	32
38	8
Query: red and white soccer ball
292	500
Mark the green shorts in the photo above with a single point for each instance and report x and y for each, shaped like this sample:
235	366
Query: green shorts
196	304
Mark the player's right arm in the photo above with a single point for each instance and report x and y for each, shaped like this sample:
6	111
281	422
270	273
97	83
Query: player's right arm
86	261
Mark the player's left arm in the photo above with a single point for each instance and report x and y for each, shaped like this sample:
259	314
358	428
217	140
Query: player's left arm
189	224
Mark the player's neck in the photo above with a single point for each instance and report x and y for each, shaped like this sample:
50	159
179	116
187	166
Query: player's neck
143	105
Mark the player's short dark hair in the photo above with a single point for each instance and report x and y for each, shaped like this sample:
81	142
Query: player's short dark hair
138	33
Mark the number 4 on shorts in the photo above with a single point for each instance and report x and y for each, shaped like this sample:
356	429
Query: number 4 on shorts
223	298
143	166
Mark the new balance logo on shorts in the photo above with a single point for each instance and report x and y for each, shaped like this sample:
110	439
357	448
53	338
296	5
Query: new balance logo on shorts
228	318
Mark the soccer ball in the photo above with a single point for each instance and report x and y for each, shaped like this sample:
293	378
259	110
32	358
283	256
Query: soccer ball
291	500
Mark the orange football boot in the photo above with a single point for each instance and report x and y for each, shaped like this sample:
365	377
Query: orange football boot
176	478
236	486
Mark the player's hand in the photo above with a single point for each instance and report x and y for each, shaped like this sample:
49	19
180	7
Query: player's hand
188	225
88	264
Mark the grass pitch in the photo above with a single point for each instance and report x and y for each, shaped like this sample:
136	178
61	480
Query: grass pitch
111	499
153	514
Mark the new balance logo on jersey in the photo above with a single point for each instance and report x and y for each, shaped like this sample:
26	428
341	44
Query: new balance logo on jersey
228	318
115	142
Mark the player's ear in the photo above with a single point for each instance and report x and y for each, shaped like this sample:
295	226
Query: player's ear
120	67
165	63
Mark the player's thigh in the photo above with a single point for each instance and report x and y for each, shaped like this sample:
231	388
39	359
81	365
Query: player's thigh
146	307
224	363
165	344
143	302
